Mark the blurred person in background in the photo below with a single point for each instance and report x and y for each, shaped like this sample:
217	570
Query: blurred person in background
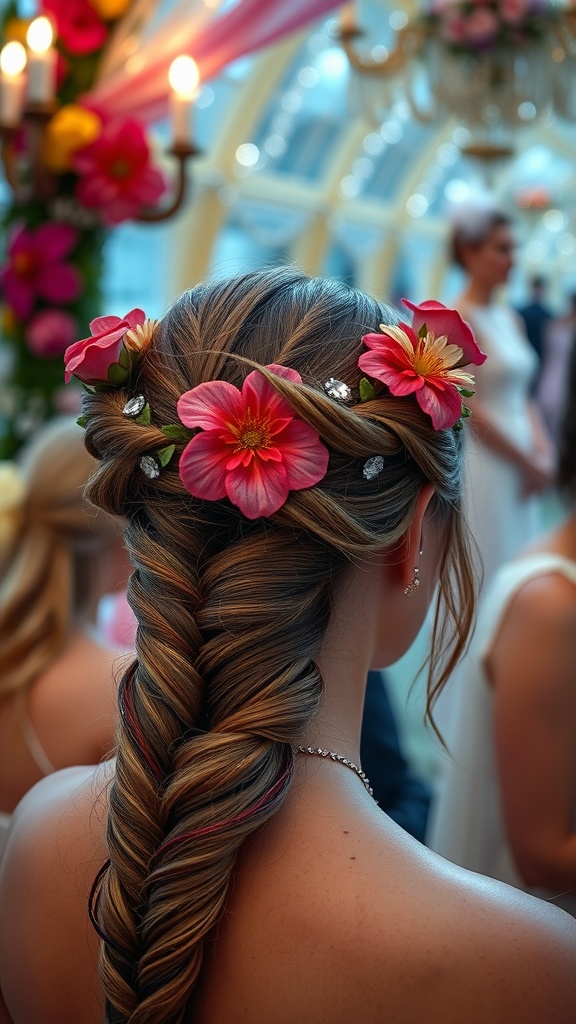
508	806
58	556
509	455
558	346
536	317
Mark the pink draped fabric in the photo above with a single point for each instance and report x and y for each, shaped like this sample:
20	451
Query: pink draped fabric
247	27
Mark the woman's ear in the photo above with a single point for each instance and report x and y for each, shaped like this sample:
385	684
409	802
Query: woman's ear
414	541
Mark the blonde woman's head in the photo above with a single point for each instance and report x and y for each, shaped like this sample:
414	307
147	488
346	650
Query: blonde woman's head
53	543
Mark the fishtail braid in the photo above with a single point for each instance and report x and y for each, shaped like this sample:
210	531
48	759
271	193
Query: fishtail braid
232	613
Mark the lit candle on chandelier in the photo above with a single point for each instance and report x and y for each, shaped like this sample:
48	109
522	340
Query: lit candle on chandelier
184	78
12	83
41	61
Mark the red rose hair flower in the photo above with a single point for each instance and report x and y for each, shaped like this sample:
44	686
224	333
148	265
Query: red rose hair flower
252	448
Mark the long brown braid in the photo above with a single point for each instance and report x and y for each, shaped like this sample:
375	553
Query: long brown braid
232	613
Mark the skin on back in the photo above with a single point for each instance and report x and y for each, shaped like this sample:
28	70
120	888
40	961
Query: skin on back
335	914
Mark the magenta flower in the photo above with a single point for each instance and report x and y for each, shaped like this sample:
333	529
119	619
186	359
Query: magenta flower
252	448
80	29
104	358
448	323
116	174
50	331
425	360
37	269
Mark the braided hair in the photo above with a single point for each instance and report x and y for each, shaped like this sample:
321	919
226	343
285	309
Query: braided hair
232	612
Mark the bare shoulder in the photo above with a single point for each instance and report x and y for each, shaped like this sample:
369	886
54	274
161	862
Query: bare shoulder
375	927
47	945
448	944
491	950
536	641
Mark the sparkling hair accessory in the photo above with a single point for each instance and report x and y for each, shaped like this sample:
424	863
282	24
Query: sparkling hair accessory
425	360
251	448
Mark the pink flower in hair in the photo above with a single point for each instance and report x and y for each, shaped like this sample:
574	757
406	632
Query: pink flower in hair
252	449
105	357
425	360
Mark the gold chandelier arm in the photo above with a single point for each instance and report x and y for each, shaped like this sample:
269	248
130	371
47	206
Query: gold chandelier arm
409	43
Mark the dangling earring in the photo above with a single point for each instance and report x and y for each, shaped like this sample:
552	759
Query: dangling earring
415	582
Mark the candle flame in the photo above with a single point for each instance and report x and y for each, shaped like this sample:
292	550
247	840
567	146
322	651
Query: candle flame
184	76
12	59
40	35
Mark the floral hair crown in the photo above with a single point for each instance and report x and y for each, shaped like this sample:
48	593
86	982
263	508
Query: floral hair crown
246	444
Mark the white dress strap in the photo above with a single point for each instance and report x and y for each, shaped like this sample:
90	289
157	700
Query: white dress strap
508	581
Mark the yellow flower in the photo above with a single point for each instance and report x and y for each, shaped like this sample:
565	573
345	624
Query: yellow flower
15	30
109	10
138	338
71	128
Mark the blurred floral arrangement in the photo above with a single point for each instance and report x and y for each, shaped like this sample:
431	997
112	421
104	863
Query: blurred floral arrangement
95	172
480	26
79	85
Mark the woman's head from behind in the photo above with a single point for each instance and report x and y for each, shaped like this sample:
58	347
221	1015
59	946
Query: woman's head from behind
482	243
232	611
52	574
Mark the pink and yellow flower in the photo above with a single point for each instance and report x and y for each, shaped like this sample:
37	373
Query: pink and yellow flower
37	267
252	448
116	173
425	360
104	357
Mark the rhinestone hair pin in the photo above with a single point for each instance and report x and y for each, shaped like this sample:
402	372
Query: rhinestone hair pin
134	406
150	466
338	390
373	467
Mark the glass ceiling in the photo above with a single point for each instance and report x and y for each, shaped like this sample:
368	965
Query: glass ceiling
298	168
312	148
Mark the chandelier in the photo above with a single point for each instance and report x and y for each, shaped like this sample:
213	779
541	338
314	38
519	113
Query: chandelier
494	65
35	165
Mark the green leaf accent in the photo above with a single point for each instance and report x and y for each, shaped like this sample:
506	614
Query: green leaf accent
465	412
458	426
117	375
82	421
87	388
423	331
177	432
367	392
125	359
144	417
465	393
165	454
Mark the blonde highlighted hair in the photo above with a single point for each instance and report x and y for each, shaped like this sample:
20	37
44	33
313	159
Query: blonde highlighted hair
232	613
50	570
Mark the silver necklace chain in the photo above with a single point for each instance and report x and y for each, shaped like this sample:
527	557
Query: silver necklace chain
320	752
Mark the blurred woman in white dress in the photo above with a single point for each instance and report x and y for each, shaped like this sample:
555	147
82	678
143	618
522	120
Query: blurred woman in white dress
508	805
509	458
